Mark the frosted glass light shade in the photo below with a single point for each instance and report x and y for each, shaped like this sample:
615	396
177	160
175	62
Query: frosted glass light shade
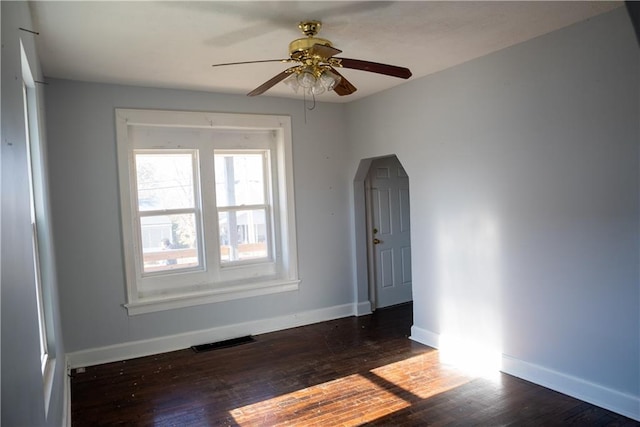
329	79
292	82
318	88
306	78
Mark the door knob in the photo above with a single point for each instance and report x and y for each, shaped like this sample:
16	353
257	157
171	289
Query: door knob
376	241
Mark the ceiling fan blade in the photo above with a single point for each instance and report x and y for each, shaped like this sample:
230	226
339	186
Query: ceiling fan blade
375	67
323	51
344	87
251	62
270	83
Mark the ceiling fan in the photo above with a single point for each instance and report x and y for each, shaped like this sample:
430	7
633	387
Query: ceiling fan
315	71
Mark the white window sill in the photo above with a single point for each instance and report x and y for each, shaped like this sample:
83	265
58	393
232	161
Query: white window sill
150	304
47	381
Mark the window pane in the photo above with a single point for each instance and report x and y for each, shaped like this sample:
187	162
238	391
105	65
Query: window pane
239	179
243	235
165	181
169	242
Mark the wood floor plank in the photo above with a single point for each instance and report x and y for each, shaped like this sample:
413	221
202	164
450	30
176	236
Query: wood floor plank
346	372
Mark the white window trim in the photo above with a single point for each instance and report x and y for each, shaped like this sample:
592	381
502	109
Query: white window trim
286	278
34	158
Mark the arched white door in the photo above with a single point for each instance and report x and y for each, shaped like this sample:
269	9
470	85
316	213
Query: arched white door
389	232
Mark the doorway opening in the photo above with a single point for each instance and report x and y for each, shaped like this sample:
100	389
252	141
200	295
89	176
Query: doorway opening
383	238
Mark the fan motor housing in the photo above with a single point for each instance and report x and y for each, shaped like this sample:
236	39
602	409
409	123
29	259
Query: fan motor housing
299	47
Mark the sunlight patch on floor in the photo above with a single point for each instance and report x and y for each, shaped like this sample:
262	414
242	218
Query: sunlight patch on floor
421	375
331	403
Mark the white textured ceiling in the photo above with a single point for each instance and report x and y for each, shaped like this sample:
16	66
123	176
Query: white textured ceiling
174	44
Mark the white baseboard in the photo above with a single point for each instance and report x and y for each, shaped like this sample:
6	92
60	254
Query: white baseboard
130	350
613	400
425	337
363	308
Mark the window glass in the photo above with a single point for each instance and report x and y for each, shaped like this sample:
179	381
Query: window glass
165	181
243	235
169	242
239	179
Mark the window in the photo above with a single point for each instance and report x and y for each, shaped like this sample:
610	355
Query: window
42	327
165	186
207	207
243	211
41	243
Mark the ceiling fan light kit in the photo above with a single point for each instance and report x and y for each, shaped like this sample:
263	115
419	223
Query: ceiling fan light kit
313	80
316	70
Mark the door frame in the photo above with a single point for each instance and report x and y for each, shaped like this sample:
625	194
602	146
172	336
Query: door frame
365	275
371	257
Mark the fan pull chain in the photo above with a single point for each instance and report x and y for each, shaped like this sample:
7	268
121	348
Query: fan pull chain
313	106
304	103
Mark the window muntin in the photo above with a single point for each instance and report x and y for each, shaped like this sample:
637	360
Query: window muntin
265	259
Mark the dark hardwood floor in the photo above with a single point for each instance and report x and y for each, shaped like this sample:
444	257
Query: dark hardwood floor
347	372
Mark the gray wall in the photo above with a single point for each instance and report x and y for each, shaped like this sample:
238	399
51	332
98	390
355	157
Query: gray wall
23	401
82	146
523	168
